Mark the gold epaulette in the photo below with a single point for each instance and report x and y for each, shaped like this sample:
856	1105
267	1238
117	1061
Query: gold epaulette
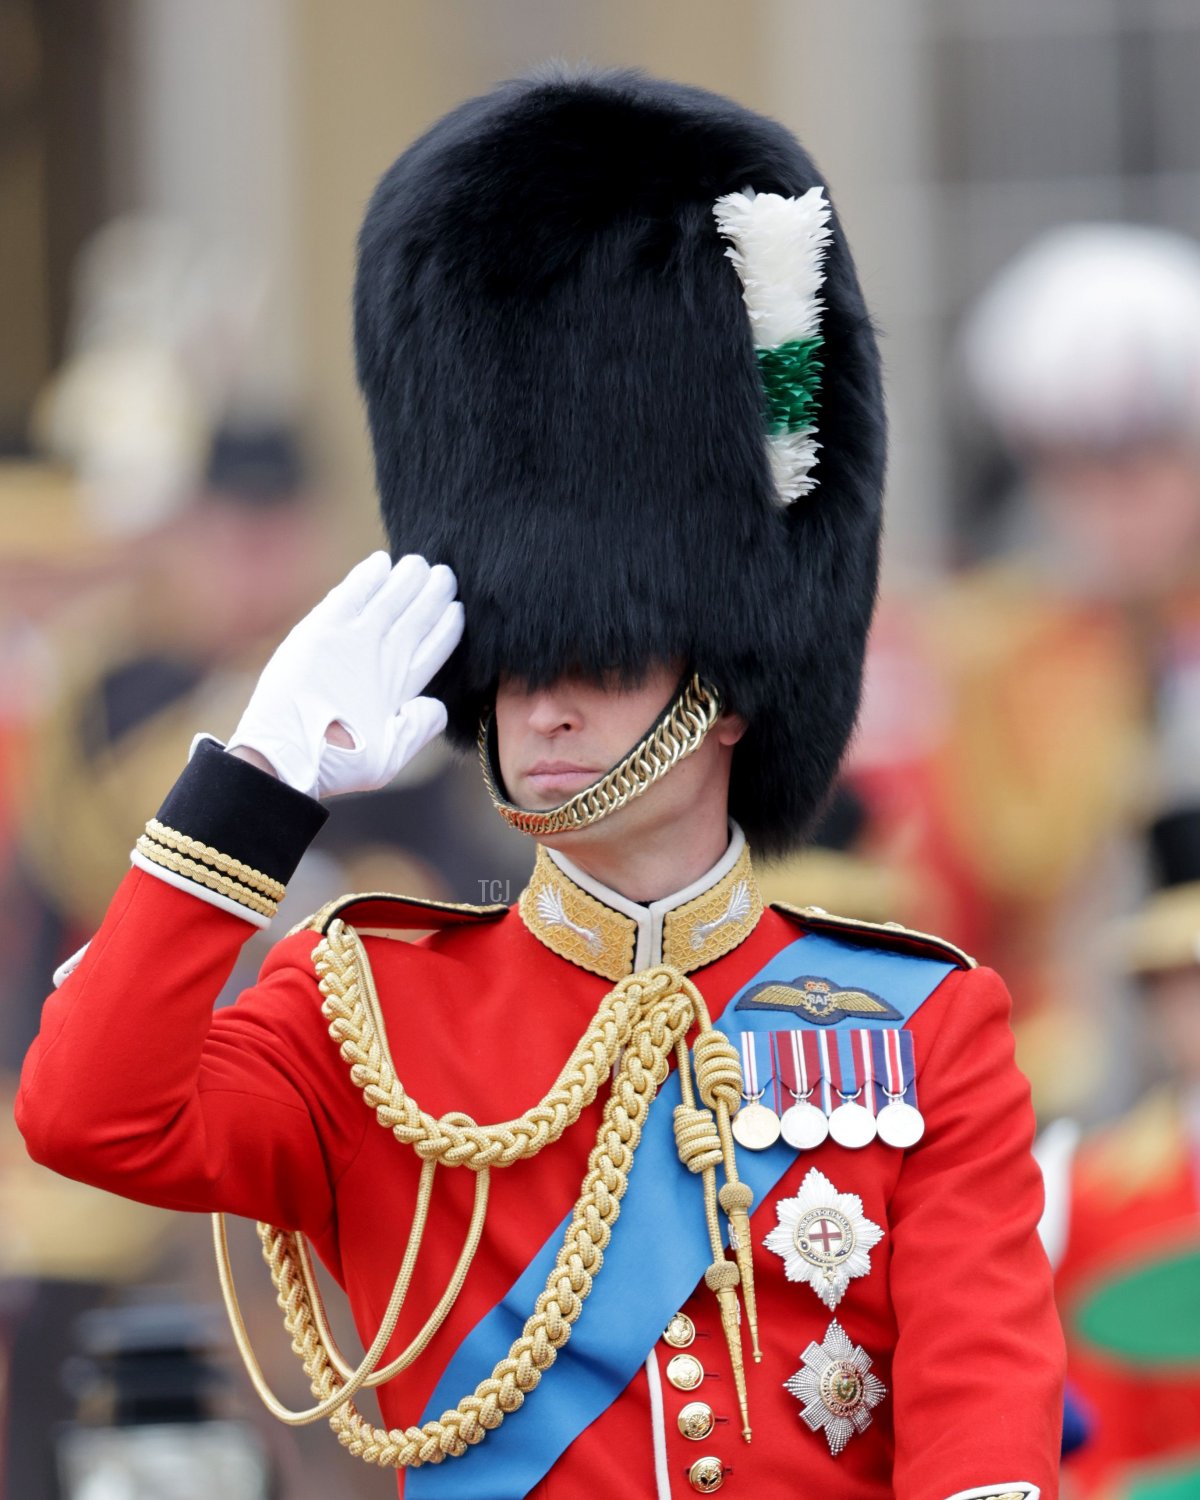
383	911
891	935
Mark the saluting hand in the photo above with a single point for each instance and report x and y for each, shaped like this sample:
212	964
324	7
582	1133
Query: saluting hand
358	660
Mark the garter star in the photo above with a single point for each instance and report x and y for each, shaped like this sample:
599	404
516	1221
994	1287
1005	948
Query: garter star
823	1237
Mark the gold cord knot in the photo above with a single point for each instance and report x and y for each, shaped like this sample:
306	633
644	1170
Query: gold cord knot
718	1070
696	1138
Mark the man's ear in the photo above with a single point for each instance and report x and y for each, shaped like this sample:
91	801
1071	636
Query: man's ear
729	728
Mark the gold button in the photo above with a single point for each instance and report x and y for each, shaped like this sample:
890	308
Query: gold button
680	1331
685	1372
696	1420
707	1475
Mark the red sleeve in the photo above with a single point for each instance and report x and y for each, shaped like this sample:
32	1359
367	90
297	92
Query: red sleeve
979	1361
136	1085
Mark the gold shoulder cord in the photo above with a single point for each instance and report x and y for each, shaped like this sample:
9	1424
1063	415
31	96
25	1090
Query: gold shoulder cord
640	1021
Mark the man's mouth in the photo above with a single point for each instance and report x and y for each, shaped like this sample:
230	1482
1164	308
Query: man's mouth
559	778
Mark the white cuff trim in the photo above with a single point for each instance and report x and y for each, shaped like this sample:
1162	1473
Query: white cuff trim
69	965
193	888
1019	1489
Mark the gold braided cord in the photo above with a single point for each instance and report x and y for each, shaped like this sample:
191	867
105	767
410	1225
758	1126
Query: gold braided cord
642	1020
329	1401
183	843
436	1318
299	1286
224	885
679	731
352	1007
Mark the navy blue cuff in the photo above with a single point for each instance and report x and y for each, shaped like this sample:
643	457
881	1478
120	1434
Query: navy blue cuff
234	807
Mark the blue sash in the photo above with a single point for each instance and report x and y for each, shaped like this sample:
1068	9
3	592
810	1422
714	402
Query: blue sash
661	1225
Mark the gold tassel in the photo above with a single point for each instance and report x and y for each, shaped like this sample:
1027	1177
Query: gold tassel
704	1138
735	1198
722	1277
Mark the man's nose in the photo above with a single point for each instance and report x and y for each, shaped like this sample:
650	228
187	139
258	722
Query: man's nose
552	711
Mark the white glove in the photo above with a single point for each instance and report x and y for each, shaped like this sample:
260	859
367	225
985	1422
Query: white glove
358	659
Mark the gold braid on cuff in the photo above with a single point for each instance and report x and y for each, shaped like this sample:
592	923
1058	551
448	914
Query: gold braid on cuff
218	872
274	890
679	731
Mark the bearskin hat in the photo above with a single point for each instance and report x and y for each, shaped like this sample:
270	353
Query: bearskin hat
564	369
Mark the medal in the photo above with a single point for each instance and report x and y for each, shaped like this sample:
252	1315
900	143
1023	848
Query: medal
836	1388
823	1237
756	1125
803	1126
851	1124
900	1123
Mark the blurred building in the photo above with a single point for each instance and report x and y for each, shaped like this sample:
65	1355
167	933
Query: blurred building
955	129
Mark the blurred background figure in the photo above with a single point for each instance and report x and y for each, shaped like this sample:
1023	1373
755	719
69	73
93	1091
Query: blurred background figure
1063	677
841	868
1129	1278
150	1419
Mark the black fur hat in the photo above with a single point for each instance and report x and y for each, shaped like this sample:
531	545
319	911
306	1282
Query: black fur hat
566	406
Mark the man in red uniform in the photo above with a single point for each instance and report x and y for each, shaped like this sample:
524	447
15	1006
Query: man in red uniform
759	1210
1134	1208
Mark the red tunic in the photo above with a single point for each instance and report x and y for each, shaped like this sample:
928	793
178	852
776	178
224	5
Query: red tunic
137	1086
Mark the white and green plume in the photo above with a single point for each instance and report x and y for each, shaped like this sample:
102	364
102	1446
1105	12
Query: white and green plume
778	248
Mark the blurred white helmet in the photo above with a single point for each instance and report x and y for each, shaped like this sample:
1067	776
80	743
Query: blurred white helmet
1091	338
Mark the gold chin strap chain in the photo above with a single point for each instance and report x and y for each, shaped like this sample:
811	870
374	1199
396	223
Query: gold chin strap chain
681	729
640	1021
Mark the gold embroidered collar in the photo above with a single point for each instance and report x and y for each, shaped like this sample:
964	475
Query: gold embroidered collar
600	930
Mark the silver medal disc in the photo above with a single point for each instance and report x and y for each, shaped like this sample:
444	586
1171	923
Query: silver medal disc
756	1127
852	1125
900	1125
804	1127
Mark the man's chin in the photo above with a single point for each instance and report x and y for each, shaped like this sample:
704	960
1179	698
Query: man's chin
542	793
616	826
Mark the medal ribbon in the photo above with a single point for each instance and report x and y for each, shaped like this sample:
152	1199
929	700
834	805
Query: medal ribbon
793	1070
843	1064
861	1041
828	1102
749	1068
801	1067
776	1065
895	1067
758	1072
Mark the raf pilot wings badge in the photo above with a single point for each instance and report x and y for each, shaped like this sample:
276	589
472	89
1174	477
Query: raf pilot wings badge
817	1000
